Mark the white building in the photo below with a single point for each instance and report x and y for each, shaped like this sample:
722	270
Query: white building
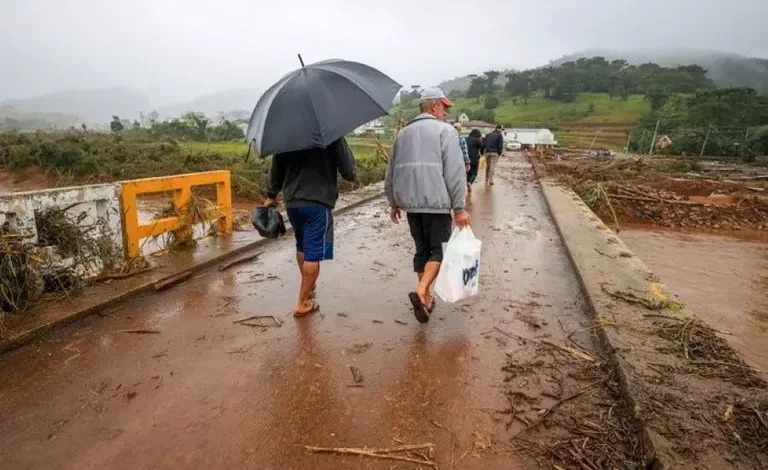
374	127
463	119
530	137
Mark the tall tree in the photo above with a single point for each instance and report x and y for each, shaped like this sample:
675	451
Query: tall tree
477	87
490	80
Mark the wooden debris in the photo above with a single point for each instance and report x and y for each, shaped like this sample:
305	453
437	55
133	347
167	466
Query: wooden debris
379	453
557	405
248	321
572	351
400	322
112	277
172	281
511	335
610	206
140	332
241	260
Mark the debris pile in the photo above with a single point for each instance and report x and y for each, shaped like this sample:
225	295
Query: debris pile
668	192
67	254
578	420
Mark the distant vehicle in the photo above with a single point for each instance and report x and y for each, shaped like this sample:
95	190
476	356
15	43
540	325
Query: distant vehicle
514	145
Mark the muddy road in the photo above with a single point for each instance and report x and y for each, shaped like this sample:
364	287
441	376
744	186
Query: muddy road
196	389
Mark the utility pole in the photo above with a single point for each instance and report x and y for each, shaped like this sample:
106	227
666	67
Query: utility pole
653	141
706	138
594	139
629	140
640	143
744	146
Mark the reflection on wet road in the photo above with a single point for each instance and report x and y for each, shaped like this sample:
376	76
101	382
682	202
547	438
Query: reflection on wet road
205	392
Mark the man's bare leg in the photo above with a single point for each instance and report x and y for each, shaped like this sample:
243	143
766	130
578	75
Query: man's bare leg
426	279
429	297
300	262
310	270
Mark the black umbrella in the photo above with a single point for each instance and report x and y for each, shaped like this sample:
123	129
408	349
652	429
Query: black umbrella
318	104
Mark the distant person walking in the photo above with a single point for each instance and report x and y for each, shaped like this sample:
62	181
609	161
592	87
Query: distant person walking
494	147
464	151
426	177
308	180
475	150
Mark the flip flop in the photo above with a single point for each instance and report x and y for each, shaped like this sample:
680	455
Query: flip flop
432	306
419	309
314	308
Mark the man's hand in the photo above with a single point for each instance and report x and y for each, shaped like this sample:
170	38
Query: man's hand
395	214
461	219
268	202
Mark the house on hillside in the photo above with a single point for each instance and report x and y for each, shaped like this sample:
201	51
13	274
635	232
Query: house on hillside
482	126
374	127
530	138
463	119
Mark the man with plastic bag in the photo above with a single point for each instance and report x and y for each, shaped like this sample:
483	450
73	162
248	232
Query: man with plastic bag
426	178
308	180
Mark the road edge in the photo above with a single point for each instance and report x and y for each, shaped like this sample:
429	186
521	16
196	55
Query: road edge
350	201
564	203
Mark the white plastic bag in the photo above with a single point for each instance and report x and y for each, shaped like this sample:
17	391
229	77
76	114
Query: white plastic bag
459	274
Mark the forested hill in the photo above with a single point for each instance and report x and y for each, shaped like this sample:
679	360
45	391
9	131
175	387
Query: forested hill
723	68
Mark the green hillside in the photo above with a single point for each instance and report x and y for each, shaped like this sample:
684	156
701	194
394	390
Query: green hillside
588	108
591	117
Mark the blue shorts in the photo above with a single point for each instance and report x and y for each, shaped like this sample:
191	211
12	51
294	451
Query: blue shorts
313	227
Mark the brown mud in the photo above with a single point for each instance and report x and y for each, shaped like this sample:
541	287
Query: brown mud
509	379
666	192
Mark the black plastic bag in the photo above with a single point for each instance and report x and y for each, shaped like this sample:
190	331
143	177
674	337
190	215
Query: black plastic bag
268	222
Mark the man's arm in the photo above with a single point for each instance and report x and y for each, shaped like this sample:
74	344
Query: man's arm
276	176
454	172
389	175
345	161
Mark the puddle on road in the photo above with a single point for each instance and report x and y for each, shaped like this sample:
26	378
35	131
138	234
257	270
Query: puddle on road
723	280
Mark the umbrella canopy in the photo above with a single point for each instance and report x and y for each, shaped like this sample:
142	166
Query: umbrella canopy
317	105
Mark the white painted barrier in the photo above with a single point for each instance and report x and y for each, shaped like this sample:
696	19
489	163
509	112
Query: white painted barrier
95	208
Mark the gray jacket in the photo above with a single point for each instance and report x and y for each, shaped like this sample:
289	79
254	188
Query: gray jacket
426	172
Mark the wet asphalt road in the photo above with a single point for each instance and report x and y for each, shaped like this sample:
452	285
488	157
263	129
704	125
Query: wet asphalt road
206	393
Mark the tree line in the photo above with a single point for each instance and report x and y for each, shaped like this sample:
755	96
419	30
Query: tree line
723	122
617	78
190	126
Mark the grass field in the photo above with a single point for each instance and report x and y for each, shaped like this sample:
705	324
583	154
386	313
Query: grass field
588	108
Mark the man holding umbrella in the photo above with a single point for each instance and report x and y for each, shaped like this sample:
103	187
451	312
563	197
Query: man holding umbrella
307	179
302	120
426	177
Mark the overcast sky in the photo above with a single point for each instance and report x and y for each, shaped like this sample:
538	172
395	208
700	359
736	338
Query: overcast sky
177	49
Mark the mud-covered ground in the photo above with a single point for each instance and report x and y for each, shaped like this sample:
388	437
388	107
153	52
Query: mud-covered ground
668	192
509	379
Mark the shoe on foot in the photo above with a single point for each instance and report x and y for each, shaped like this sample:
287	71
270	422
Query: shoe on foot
309	307
419	309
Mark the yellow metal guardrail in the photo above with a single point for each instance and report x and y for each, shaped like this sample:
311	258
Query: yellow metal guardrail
181	186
